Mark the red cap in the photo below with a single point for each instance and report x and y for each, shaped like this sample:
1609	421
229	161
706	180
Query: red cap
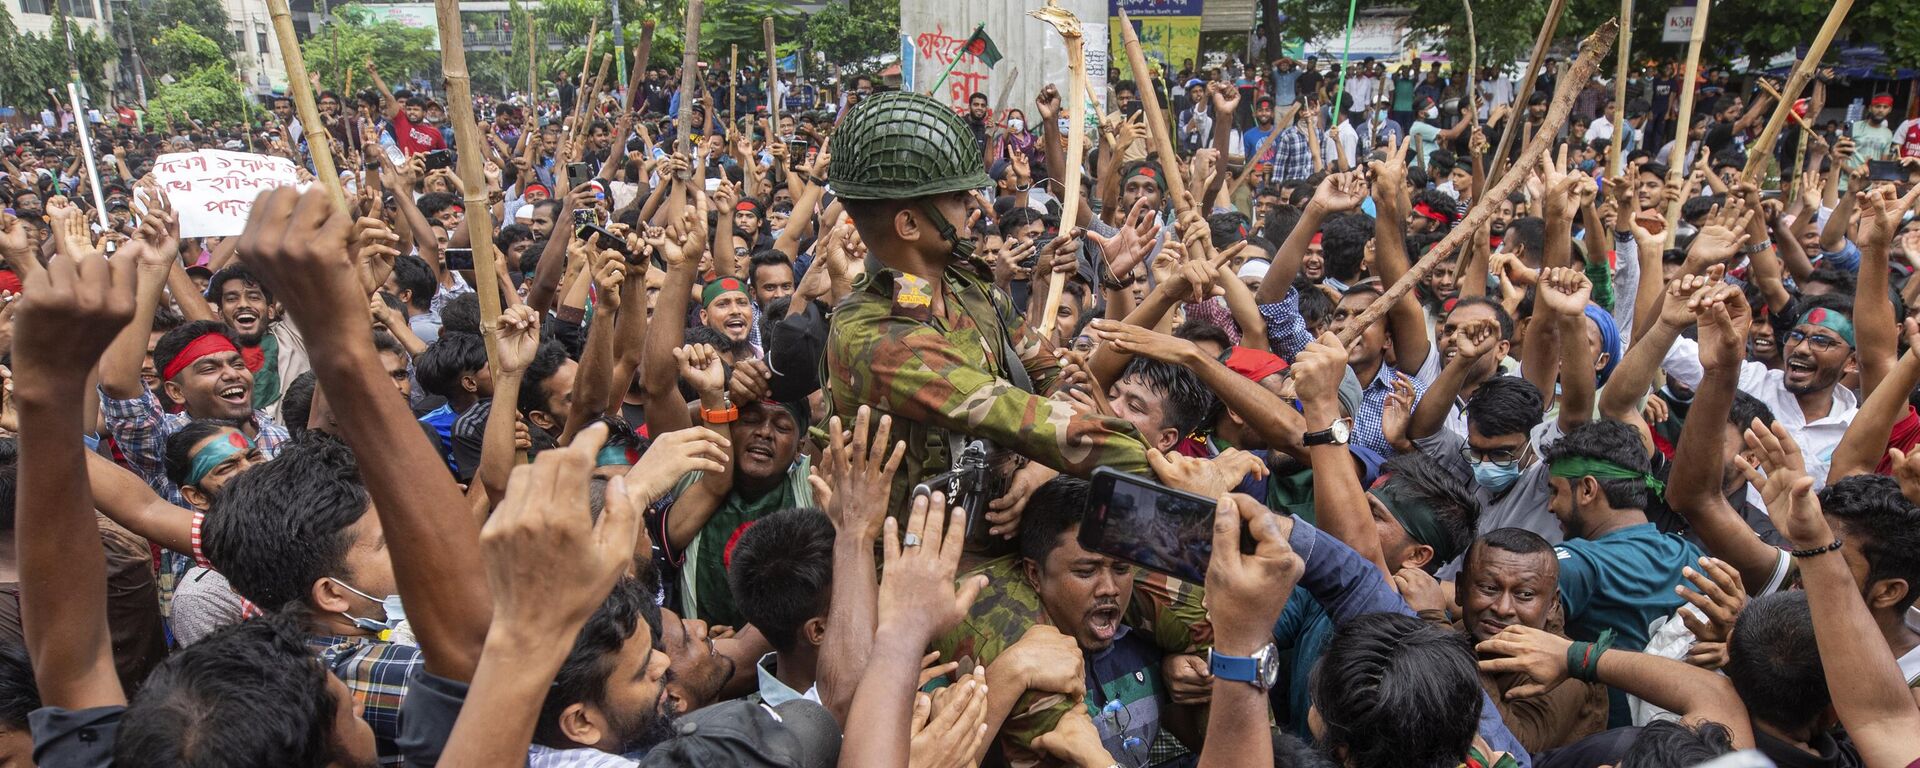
1254	364
1800	108
1885	99
9	281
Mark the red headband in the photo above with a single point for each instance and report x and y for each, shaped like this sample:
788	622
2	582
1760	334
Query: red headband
745	205
207	344
1316	238
1426	210
1883	99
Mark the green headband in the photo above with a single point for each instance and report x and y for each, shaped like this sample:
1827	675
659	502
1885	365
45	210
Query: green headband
1570	467
217	452
714	289
614	456
1416	517
1830	320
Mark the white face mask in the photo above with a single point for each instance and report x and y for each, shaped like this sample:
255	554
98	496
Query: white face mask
1433	113
1016	125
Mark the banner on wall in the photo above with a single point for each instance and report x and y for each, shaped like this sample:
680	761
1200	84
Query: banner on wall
1169	32
934	32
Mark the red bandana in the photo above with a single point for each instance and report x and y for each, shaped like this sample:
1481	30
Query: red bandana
208	344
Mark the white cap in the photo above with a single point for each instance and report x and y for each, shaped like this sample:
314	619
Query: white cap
1255	268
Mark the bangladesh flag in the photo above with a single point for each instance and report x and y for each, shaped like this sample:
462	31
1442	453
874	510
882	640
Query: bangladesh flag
981	47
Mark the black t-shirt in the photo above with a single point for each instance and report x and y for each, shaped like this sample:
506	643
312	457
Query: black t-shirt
1307	85
75	738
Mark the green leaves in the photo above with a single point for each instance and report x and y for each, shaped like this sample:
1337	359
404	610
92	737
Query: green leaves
397	50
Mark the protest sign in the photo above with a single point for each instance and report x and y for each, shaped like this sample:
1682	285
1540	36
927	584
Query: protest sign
213	189
934	32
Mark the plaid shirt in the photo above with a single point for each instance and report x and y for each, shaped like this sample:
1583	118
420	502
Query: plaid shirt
1286	329
1367	429
378	673
1293	156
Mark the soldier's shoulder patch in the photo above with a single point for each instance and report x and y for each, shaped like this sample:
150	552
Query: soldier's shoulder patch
912	297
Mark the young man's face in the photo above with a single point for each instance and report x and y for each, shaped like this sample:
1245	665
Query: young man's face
1647	189
1504	589
1879	112
283	110
1138	187
395	364
451	217
634	710
1135	400
243	307
772	282
766	439
731	314
1503	213
1314	263
1372	341
200	494
542	221
1264	113
1085	594
746	221
977	107
556	395
1817	358
698	671
416	114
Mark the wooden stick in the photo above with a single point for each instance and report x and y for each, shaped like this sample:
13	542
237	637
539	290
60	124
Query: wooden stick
586	59
1791	115
1473	68
1592	50
533	72
1525	93
642	56
1620	89
773	80
1678	156
1802	73
466	131
301	90
1253	163
1064	22
689	82
733	86
1157	126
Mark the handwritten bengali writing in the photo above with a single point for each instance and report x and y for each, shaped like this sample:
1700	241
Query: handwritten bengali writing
229	207
213	190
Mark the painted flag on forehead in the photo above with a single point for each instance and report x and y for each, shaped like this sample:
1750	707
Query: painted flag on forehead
981	47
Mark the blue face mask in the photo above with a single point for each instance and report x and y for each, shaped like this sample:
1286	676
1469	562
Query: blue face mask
1494	477
390	606
1589	165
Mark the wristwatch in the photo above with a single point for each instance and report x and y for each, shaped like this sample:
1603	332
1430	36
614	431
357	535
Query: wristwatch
1756	247
1259	670
1336	433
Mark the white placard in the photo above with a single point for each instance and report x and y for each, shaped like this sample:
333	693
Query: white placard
1679	25
212	190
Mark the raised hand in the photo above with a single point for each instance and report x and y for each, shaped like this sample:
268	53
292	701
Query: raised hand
1565	290
1720	239
670	458
1474	340
1676	309
1719	598
1048	104
1211	478
1782	478
1143	342
700	367
1318	368
67	315
1241	588
1340	192
517	331
1134	241
1722	314
857	468
918	598
297	244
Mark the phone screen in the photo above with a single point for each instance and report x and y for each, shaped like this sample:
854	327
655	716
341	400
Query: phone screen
1886	170
459	259
579	172
1150	525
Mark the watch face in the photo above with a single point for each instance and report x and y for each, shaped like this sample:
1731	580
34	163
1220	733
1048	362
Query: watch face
1269	660
1340	431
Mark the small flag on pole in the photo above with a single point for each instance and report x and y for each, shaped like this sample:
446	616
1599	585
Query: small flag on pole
981	47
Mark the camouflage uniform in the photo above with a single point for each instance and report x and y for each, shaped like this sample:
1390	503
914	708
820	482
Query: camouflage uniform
1166	608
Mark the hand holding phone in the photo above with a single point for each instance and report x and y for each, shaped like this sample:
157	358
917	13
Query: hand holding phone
1132	518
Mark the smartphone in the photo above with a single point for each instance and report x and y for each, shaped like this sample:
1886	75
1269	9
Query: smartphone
586	217
713	185
1886	170
439	158
608	240
796	150
1135	519
459	259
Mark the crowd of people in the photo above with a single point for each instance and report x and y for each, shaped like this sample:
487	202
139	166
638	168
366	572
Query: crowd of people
772	444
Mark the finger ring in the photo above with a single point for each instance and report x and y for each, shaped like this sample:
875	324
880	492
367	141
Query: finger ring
910	540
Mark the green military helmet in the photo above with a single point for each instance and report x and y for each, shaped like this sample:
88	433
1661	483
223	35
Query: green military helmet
903	145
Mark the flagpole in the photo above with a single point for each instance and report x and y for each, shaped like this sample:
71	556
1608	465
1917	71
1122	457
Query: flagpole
964	51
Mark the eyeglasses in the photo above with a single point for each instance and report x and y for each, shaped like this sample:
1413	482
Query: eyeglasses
1819	342
1504	459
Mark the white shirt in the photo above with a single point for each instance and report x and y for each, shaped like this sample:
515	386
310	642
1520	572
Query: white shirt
1817	438
1349	140
1600	128
1363	90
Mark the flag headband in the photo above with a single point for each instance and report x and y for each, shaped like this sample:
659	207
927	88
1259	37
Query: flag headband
207	344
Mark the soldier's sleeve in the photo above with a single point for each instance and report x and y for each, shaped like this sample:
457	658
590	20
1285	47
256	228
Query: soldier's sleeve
1042	367
916	374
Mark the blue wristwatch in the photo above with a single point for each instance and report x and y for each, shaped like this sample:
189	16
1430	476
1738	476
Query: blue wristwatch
1259	670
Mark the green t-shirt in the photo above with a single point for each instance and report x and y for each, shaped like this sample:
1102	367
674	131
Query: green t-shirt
703	572
1403	94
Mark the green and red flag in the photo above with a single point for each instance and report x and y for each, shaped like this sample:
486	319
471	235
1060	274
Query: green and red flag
981	47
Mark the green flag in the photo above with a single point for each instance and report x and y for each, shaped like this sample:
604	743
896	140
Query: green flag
981	47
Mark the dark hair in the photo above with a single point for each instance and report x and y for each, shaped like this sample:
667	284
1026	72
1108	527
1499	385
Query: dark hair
1056	507
9	481
1696	207
1396	691
1746	408
1613	442
768	258
461	314
1280	223
1442	161
1673	744
1454	507
448	358
411	274
1519	541
547	361
583	676
1186	401
511	234
1729	157
1226	228
248	694
19	695
1315	305
1196	329
177	456
1774	662
173	342
1882	524
1654	168
1843	282
281	526
1441	202
1505	405
229	273
1530	232
1017	218
385	342
1500	313
1344	241
530	260
781	573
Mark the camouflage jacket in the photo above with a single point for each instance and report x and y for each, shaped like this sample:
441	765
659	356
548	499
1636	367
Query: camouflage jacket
949	376
1167	609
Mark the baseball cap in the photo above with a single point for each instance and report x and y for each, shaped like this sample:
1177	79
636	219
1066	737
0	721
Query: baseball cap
796	734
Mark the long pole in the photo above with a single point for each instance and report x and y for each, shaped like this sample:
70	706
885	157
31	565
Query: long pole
1678	156
619	44
80	128
1802	73
773	80
453	62
1520	98
733	85
1346	63
1070	33
1157	125
319	142
1614	150
533	72
689	81
1592	50
641	56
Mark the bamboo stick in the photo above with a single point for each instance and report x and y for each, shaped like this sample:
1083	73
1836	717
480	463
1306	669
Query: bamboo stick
689	82
1620	89
1063	22
773	80
466	131
1520	98
1802	72
533	73
298	87
642	56
1678	156
1156	121
733	87
1591	52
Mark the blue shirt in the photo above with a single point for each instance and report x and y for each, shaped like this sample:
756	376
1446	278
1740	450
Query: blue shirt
1622	581
1125	695
441	420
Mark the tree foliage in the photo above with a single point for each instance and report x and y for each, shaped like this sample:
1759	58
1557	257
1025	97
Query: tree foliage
354	36
208	17
32	64
200	79
855	31
183	50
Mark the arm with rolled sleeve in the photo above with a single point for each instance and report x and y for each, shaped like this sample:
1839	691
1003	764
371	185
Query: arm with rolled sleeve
1347	586
1287	332
138	426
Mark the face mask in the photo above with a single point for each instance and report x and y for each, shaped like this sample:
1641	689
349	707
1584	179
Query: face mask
1494	477
1588	165
1016	125
1433	113
390	606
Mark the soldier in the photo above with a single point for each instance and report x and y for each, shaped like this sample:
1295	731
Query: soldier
925	336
